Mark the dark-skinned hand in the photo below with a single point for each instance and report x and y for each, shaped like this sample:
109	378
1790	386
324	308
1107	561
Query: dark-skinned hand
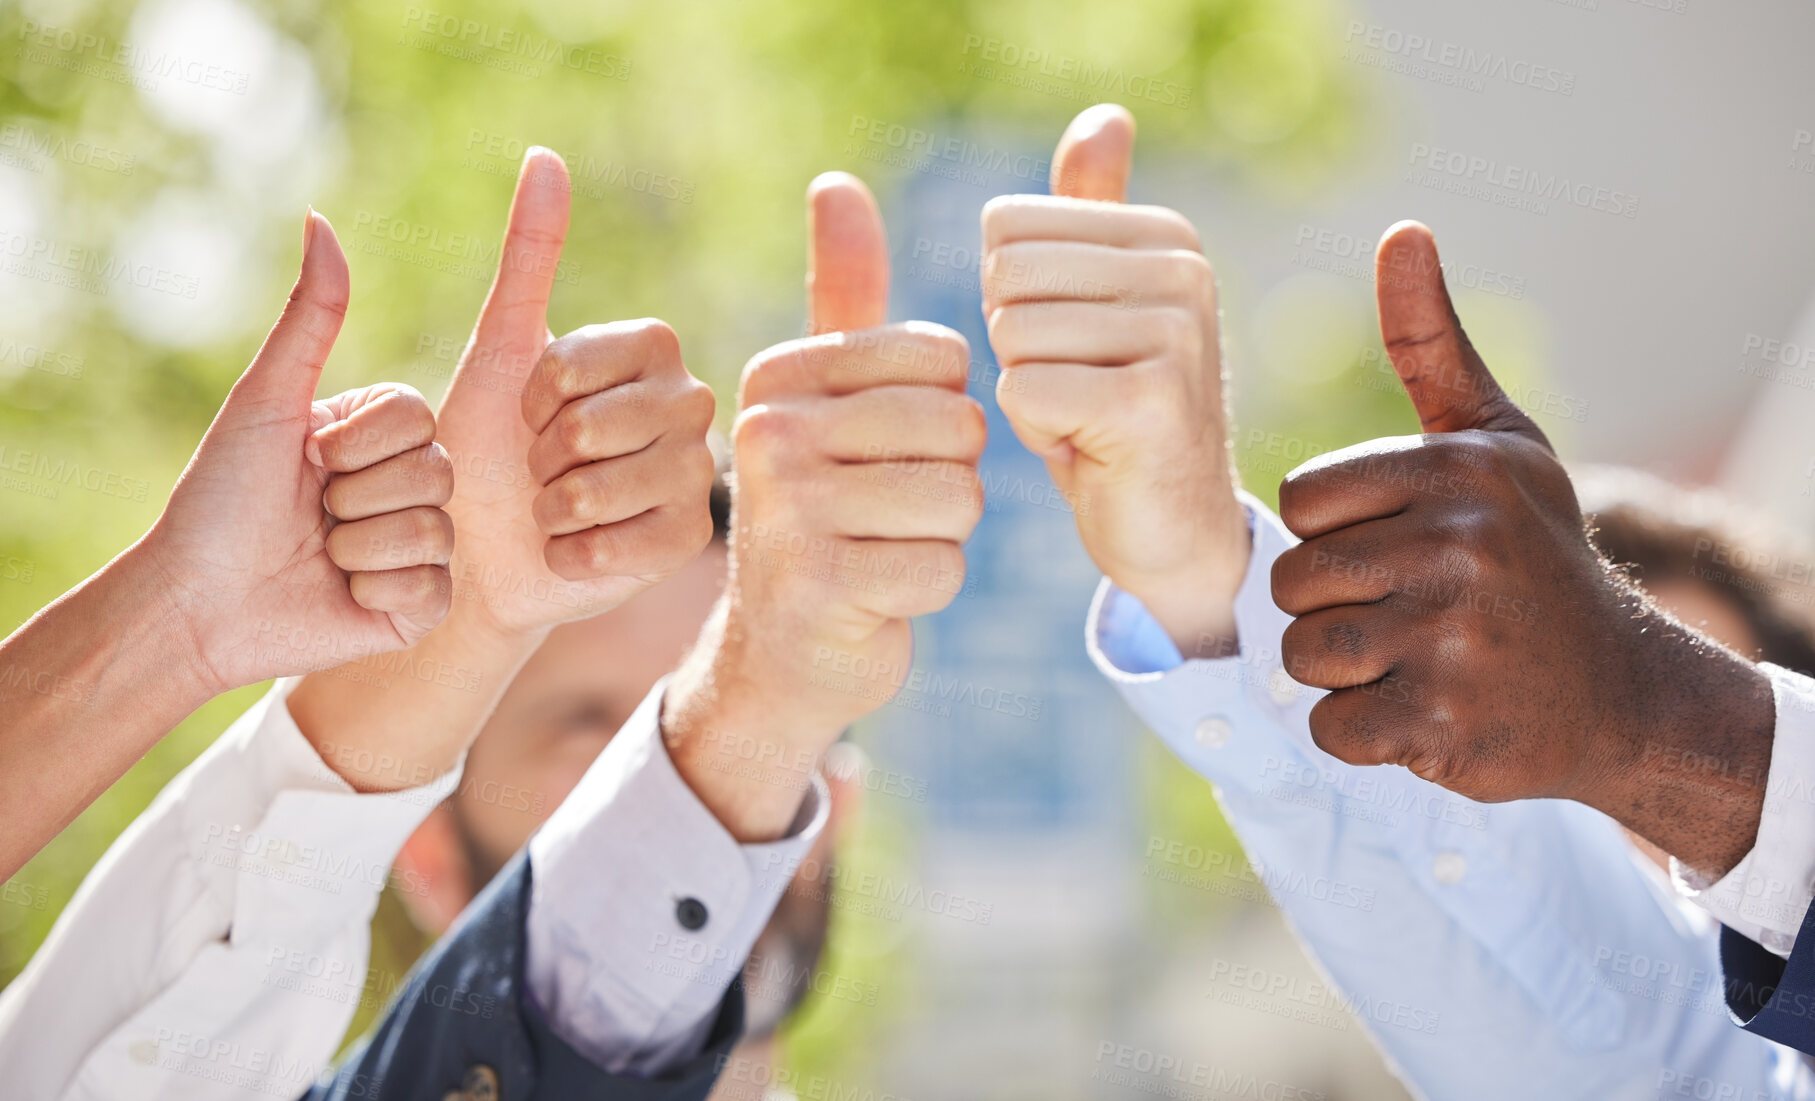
1447	595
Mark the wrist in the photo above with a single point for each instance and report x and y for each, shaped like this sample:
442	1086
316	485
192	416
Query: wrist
474	629
384	732
1688	771
1196	605
147	600
748	751
477	615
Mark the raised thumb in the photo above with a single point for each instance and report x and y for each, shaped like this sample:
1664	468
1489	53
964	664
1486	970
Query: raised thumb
1095	155
288	365
847	256
1451	389
513	323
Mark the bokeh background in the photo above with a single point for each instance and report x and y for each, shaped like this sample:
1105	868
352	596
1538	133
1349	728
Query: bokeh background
1654	313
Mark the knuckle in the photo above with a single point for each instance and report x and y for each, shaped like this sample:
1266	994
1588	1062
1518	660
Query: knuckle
590	553
700	403
577	498
1458	561
764	372
1191	270
1293	643
333	444
1179	227
331	301
762	434
1003	267
995	212
936	580
1332	734
597	551
1007	326
1461	533
418	584
973	426
415	426
1013	392
575	432
437	590
407	396
1300	492
657	342
1304	664
429	527
438	471
947	353
557	372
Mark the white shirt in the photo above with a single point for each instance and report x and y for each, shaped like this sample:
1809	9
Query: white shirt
1513	950
1765	895
220	947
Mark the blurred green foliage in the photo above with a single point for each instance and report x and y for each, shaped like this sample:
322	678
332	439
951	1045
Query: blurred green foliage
692	128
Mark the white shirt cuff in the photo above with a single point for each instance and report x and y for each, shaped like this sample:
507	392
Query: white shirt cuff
643	907
1766	895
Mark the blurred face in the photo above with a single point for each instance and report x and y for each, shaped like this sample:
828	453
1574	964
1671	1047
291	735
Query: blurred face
571	697
566	704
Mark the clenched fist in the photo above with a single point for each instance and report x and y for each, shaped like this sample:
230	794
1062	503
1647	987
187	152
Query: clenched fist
856	485
1104	319
303	534
582	471
1448	597
581	477
306	534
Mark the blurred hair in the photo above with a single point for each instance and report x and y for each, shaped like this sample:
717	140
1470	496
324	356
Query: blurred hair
721	487
721	508
1658	533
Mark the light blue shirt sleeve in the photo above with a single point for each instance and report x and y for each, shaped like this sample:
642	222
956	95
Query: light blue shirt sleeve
1514	950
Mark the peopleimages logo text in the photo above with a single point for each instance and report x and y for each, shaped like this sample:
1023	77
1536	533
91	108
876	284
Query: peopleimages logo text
1522	180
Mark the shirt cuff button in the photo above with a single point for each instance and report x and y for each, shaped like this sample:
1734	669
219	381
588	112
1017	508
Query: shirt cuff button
1213	732
1449	867
691	913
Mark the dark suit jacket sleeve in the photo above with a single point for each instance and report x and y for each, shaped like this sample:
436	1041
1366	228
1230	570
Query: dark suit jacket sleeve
465	1006
1768	995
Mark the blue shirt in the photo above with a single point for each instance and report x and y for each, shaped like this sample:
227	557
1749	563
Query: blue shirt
1514	950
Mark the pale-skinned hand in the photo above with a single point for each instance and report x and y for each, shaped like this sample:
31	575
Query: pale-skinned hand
307	533
856	455
1103	317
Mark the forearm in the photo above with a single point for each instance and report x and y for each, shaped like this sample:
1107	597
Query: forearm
399	720
88	685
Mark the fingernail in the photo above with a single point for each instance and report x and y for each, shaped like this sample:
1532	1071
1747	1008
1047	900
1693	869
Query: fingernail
312	451
308	230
